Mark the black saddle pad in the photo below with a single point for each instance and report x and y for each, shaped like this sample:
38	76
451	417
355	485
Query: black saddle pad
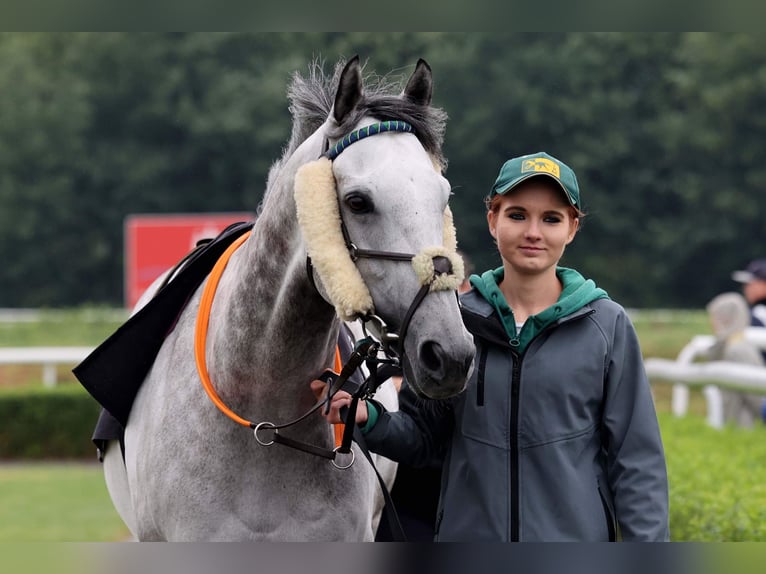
115	370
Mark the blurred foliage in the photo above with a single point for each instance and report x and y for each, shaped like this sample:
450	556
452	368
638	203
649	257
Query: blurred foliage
664	130
41	423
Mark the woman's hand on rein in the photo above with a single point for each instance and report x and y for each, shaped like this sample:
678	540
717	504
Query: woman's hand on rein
339	400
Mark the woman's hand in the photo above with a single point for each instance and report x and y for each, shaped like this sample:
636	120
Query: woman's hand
340	399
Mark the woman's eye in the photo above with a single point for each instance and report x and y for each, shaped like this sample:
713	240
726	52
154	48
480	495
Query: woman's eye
516	216
358	203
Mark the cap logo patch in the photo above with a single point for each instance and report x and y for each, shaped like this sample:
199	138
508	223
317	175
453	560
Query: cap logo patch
540	164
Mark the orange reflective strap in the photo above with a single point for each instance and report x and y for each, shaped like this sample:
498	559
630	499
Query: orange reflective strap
200	339
339	427
200	331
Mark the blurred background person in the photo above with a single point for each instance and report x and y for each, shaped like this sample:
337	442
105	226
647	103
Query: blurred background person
753	279
729	316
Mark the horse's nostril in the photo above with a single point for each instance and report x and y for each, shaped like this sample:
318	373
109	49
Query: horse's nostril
431	356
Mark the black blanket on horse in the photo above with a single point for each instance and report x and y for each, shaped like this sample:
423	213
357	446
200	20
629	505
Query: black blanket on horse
115	370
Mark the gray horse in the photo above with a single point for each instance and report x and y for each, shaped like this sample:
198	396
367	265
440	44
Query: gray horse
190	472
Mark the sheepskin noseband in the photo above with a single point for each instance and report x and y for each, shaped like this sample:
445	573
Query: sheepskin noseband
320	222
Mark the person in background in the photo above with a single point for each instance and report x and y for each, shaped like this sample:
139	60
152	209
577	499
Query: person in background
753	280
729	316
416	490
555	437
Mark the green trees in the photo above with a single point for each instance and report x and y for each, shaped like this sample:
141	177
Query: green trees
665	132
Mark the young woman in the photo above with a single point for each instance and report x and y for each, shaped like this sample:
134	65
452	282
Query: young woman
555	437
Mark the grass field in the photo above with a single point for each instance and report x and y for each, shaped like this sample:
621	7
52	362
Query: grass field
56	502
716	477
61	328
72	327
717	490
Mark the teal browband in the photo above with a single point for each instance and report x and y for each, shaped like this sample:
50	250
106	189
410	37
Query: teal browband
366	131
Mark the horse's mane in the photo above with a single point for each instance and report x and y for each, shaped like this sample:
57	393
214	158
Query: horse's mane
312	96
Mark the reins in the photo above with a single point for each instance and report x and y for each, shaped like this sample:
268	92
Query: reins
366	351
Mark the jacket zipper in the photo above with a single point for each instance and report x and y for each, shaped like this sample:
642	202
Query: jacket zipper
515	457
515	392
480	376
515	471
610	522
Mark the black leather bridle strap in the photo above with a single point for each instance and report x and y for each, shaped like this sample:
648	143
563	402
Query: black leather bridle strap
442	265
421	294
366	349
302	446
356	253
365	391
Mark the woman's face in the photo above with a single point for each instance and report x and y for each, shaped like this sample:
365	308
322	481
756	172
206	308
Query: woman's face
532	225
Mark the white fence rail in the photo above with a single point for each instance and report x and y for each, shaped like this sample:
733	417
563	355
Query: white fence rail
709	376
48	357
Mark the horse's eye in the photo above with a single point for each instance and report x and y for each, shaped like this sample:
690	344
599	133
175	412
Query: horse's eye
359	203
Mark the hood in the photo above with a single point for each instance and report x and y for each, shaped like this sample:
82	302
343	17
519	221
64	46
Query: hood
576	293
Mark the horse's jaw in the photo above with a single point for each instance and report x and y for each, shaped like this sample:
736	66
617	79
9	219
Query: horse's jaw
438	367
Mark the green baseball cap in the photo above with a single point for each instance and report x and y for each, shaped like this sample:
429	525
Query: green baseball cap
518	169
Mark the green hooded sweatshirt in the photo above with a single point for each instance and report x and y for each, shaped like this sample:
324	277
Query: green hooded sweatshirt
577	292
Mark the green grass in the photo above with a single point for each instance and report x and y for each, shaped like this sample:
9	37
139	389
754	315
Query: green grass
84	327
717	480
664	333
57	502
717	491
73	327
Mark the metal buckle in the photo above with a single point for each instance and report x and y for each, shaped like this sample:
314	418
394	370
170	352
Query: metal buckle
353	252
379	330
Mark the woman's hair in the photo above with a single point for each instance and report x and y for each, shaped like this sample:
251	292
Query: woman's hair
493	203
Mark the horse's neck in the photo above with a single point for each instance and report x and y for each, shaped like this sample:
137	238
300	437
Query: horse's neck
268	320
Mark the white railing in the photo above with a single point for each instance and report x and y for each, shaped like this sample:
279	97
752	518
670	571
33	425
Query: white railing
710	376
48	357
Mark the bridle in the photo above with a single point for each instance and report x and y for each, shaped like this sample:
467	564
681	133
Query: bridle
366	350
391	342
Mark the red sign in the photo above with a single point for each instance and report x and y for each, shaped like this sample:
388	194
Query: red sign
155	243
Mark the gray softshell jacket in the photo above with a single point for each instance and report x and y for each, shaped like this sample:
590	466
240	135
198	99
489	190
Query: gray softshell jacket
555	437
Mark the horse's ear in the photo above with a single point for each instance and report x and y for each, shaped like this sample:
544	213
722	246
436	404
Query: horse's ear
420	86
349	90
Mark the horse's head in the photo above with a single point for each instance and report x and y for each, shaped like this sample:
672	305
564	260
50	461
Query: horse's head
375	216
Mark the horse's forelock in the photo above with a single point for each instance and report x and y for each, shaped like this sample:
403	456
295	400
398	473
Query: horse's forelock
312	97
429	123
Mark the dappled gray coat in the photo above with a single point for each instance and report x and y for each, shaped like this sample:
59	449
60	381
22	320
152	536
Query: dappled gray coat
529	457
